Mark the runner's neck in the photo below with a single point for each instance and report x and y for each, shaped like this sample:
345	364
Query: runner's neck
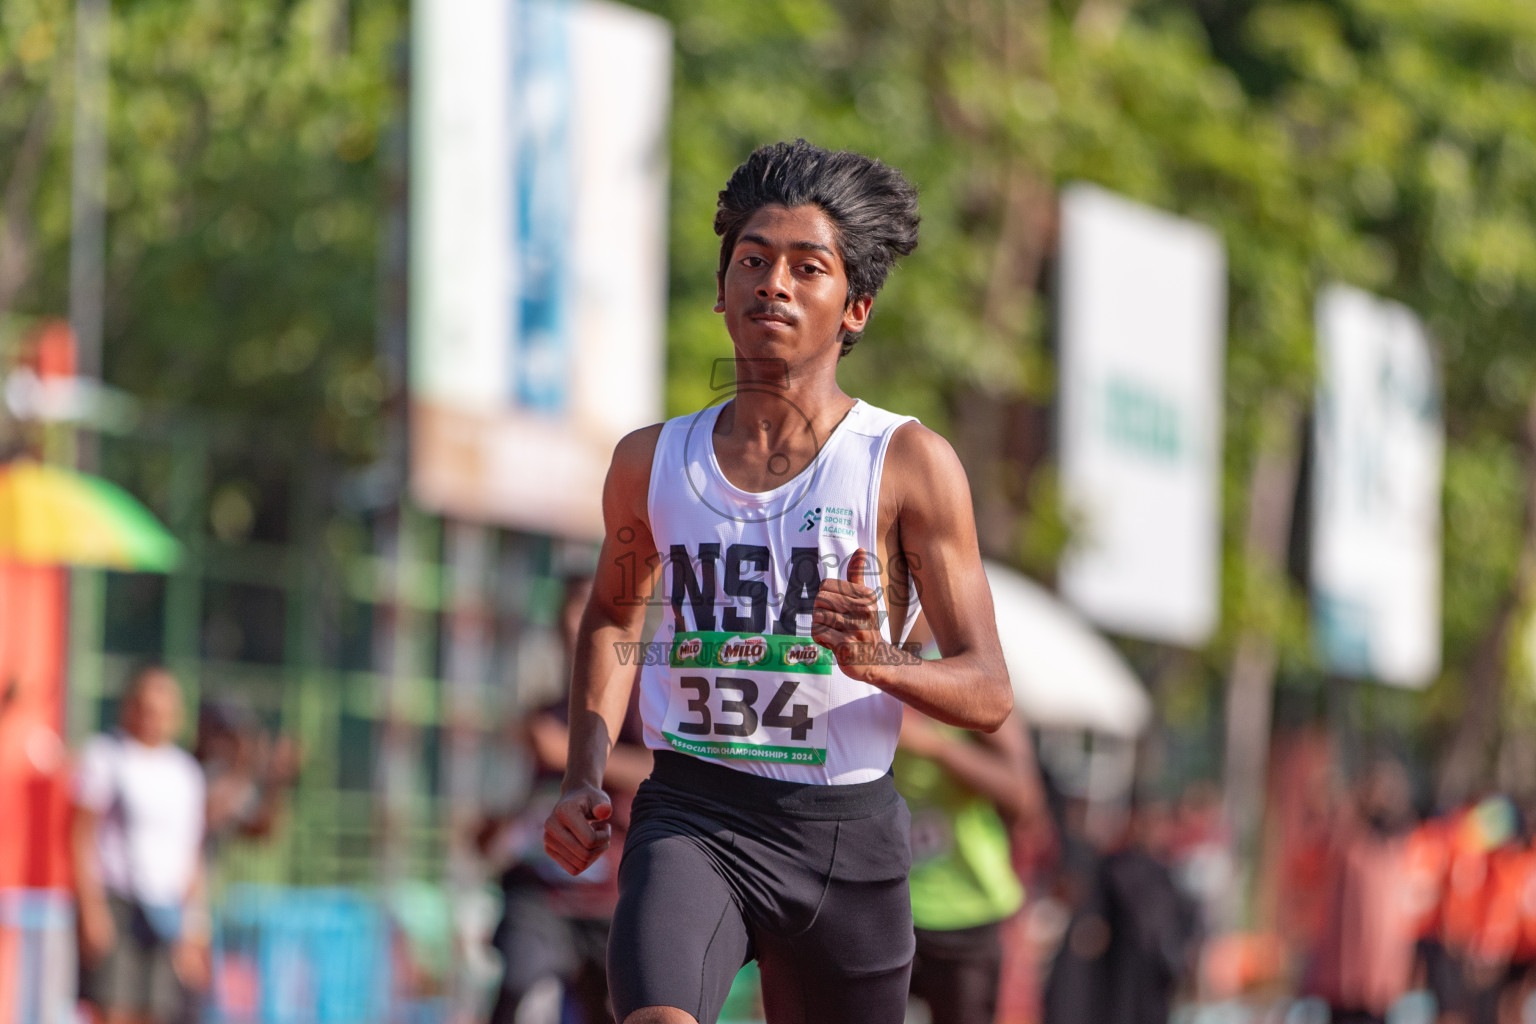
763	439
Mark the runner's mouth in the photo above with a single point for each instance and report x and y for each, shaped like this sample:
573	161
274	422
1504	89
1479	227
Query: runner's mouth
766	316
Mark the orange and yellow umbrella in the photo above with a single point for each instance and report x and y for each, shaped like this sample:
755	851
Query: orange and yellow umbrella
54	516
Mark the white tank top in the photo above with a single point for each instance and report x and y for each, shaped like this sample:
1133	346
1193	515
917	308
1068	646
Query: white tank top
732	675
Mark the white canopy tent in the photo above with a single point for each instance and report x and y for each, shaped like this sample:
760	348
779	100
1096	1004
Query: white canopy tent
1065	675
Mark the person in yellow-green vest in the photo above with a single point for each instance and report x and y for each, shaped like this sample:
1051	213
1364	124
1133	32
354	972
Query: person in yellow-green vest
963	789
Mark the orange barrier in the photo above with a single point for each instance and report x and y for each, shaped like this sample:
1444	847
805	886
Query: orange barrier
34	788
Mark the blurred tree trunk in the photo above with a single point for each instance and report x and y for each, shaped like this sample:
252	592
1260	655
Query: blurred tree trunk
20	200
1467	762
1251	683
1014	36
979	437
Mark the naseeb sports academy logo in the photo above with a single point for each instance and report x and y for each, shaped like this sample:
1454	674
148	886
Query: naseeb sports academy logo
834	521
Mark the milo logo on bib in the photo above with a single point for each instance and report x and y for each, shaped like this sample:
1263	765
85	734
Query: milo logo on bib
746	696
803	654
743	650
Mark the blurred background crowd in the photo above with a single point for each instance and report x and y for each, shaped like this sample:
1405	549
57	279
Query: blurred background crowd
319	320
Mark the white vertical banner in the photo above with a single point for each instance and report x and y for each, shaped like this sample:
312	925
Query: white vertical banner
538	259
1143	327
623	76
1376	523
462	272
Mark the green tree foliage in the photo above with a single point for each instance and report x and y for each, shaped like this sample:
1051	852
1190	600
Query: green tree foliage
1385	143
990	107
1415	124
1390	144
244	199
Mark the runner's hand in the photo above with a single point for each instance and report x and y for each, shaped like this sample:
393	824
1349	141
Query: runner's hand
97	932
846	621
578	831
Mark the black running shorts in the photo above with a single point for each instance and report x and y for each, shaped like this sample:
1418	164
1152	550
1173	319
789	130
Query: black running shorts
721	867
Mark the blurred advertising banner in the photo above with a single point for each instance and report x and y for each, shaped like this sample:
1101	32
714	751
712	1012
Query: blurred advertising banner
538	253
1380	449
1143	325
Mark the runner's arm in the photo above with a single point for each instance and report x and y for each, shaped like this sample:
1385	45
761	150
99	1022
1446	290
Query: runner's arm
97	933
621	586
96	787
936	534
577	831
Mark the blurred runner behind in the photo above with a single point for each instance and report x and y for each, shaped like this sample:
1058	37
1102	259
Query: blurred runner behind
960	787
553	934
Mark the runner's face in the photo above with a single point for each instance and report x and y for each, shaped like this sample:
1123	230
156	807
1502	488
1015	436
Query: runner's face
785	290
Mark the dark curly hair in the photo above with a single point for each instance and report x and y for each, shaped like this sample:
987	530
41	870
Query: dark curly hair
872	206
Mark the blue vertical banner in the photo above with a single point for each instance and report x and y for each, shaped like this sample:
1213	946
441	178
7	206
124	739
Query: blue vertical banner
543	103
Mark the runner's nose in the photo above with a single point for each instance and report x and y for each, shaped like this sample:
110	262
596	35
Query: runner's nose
776	284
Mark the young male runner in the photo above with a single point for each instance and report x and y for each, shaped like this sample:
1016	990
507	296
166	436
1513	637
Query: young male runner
796	533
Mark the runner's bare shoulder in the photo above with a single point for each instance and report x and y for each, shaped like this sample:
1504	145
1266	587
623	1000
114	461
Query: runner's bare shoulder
629	475
922	472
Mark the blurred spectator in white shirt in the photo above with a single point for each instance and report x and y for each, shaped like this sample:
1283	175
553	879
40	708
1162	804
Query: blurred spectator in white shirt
137	850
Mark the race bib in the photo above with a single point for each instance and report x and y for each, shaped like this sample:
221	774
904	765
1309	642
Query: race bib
751	697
